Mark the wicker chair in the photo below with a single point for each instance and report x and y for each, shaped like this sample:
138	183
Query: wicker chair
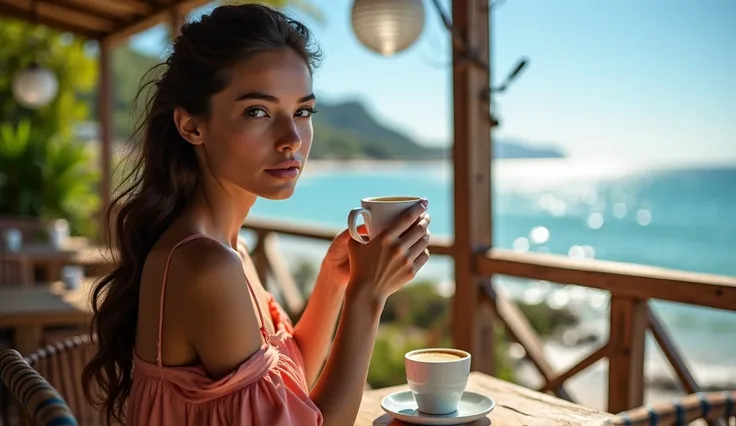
715	408
37	397
61	363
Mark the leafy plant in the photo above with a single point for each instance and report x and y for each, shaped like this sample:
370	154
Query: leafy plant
46	177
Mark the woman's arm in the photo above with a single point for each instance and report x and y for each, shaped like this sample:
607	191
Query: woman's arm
339	389
313	333
377	270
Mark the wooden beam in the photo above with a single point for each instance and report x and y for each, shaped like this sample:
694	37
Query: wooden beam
49	21
471	153
259	258
105	115
626	279
629	320
125	8
89	9
93	22
438	244
281	273
561	378
672	353
158	15
519	328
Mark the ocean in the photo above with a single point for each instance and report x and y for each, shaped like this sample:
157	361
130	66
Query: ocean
674	217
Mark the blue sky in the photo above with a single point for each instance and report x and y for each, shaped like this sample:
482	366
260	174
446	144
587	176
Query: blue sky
627	79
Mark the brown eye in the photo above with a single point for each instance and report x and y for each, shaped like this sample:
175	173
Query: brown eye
256	113
305	112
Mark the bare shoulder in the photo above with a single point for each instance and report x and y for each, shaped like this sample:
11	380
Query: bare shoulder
221	323
202	264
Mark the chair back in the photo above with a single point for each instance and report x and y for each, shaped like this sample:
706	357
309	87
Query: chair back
61	364
38	399
716	408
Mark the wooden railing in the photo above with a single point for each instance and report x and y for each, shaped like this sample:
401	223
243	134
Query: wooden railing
631	287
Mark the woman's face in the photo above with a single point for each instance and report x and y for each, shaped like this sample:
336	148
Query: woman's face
259	130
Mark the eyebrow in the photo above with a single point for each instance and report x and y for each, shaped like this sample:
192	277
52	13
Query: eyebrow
270	98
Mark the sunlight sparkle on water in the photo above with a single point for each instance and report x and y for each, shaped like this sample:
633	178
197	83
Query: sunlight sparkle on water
619	210
595	221
521	245
558	299
598	300
534	295
539	235
643	217
553	205
581	252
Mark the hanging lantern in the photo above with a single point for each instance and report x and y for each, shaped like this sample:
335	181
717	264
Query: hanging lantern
387	26
35	87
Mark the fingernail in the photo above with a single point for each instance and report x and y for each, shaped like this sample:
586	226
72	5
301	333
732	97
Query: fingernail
424	202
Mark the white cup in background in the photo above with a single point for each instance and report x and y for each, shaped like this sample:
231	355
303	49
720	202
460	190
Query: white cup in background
13	239
72	276
59	233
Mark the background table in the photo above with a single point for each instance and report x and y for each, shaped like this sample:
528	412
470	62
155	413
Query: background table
515	406
27	310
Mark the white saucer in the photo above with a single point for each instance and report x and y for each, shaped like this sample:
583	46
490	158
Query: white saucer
402	406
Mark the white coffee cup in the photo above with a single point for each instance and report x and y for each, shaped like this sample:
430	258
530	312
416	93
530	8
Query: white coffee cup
58	233
13	239
378	214
437	378
72	276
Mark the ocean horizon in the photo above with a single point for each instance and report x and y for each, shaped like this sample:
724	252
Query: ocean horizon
673	216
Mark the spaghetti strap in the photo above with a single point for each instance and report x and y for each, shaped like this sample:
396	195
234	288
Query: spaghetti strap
159	338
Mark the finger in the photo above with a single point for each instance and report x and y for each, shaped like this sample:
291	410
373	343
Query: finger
422	260
405	221
417	248
414	235
343	236
424	215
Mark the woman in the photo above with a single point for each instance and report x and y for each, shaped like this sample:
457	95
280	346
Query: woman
187	334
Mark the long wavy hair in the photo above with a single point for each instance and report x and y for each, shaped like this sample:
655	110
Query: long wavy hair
164	174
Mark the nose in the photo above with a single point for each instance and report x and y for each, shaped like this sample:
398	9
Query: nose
289	138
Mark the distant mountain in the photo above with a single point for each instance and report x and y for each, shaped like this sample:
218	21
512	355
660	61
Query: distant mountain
347	130
507	148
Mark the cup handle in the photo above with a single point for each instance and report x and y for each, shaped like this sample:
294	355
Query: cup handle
353	226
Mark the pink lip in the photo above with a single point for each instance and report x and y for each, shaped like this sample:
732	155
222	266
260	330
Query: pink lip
289	164
287	170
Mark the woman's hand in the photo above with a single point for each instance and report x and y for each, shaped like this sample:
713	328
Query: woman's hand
336	264
392	258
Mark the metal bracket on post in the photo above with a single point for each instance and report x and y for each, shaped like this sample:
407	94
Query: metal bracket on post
458	43
470	56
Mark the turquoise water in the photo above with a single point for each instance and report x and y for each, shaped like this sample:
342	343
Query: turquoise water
681	218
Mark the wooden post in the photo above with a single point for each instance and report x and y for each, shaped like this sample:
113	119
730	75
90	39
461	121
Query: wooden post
472	180
105	115
629	319
260	260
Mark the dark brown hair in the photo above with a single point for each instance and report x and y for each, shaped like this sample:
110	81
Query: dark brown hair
165	174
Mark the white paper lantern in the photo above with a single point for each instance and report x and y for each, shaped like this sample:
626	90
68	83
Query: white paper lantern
35	87
388	26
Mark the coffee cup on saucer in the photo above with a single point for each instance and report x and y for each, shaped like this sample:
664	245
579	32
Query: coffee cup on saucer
437	378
